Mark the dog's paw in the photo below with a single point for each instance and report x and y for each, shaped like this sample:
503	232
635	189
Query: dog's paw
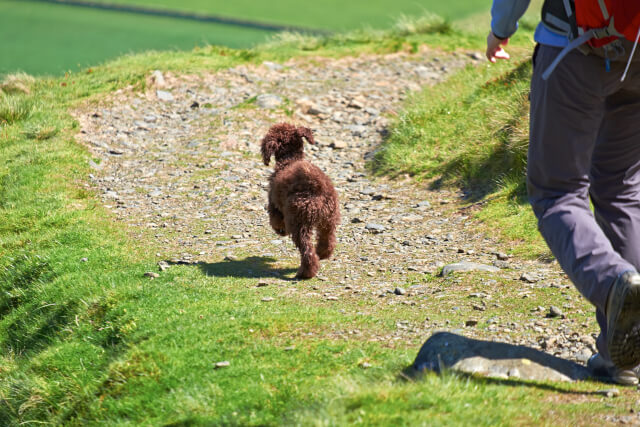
324	253
304	274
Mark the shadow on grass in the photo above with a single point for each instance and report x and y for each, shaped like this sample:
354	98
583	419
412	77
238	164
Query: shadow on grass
250	267
498	363
190	422
20	277
32	334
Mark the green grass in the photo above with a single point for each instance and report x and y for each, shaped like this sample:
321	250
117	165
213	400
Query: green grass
15	108
53	39
472	132
86	339
465	131
47	39
326	14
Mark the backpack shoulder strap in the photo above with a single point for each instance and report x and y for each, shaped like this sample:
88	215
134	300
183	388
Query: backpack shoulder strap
559	17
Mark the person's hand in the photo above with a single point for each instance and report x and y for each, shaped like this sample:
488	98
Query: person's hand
494	48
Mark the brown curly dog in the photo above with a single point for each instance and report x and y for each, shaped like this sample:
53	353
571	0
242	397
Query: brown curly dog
301	197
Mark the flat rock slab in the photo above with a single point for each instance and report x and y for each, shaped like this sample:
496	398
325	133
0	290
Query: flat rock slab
468	266
445	350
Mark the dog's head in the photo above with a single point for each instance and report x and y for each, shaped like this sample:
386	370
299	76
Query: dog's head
285	141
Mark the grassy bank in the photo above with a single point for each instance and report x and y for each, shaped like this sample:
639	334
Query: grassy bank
87	338
472	132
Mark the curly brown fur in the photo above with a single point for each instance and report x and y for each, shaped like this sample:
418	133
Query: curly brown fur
301	197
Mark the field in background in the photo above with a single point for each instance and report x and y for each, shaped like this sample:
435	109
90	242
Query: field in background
40	38
337	15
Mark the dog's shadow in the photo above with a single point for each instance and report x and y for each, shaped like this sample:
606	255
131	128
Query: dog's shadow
253	267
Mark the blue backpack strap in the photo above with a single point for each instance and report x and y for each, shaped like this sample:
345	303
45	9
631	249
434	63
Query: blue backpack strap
572	45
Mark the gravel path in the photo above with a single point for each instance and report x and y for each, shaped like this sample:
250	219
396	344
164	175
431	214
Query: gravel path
180	164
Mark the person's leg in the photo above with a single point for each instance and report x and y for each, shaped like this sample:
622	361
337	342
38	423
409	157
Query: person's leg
615	175
615	178
566	115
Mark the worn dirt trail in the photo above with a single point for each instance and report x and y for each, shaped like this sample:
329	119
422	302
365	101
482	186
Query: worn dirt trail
180	165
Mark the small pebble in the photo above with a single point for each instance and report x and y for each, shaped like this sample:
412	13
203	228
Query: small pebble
528	277
555	312
612	392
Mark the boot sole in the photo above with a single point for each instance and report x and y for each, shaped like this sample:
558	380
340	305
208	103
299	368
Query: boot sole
624	335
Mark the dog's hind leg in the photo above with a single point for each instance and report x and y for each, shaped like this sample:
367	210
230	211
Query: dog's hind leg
309	263
276	219
326	240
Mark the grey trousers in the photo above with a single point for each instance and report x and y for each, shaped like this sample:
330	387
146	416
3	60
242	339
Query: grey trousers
585	145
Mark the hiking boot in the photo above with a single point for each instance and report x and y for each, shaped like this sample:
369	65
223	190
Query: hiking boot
601	368
623	321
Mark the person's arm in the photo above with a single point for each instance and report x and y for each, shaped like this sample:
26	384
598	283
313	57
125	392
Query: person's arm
504	22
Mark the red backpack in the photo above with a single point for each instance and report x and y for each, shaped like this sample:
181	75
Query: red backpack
611	19
600	23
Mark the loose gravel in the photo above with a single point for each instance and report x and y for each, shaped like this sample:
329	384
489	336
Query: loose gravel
179	164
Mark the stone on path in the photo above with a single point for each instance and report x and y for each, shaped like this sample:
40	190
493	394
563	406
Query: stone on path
426	73
273	66
374	228
445	350
467	266
555	312
163	95
158	78
338	145
502	256
268	101
528	277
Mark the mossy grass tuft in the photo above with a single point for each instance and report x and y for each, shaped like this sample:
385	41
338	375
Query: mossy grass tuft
17	83
425	24
15	108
